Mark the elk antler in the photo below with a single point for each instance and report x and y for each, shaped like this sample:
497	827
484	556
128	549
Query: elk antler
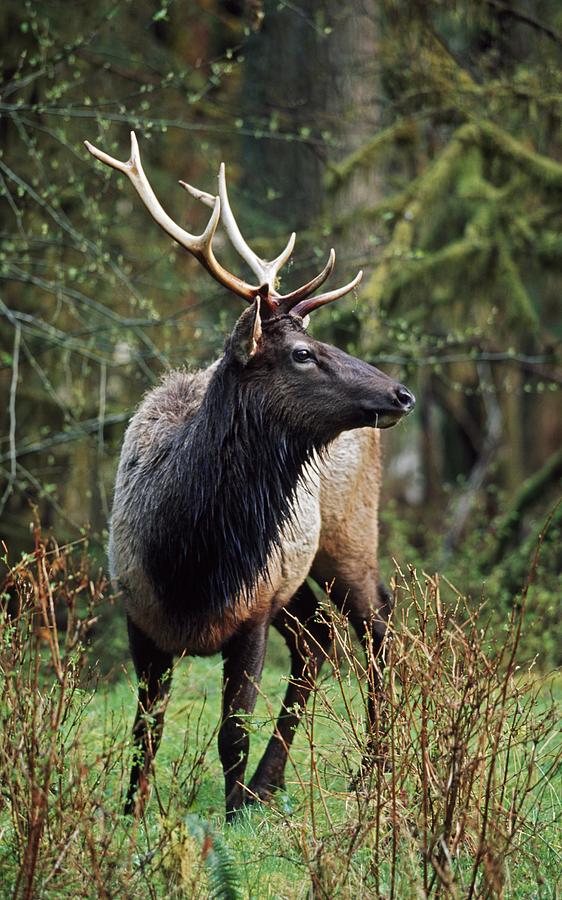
201	247
266	271
306	306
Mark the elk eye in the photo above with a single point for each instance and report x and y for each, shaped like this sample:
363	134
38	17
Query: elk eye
301	354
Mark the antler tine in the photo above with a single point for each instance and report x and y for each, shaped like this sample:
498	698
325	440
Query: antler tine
306	306
287	301
265	270
199	245
203	196
296	302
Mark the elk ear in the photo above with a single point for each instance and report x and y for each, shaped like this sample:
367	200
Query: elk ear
247	333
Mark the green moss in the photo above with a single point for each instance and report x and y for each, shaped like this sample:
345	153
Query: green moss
402	132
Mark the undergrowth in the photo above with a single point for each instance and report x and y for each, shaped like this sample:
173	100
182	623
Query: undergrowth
455	796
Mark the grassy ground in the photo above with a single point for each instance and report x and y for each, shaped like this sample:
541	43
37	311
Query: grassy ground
469	808
276	851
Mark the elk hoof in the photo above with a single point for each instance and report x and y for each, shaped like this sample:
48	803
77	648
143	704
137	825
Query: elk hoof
263	791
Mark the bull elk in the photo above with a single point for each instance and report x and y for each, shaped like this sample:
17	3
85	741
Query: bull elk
226	501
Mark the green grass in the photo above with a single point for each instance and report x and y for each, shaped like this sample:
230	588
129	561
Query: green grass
267	843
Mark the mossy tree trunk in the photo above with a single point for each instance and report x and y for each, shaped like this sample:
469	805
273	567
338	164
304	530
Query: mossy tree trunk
310	100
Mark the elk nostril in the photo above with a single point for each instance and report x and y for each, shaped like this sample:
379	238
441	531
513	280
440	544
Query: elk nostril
405	398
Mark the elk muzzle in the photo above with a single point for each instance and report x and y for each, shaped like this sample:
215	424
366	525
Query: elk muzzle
385	408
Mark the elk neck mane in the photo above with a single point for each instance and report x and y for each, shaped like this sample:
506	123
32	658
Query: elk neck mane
221	491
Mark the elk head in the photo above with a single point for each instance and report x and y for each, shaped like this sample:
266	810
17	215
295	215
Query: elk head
269	342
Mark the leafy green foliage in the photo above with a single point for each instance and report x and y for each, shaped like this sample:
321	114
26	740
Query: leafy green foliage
223	876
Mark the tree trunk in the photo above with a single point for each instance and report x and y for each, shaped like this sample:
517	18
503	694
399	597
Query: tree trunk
311	97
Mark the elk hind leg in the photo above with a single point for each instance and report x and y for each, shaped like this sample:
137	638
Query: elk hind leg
154	673
371	631
368	607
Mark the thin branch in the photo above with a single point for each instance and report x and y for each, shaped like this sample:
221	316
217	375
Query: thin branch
70	294
12	413
61	55
63	222
84	428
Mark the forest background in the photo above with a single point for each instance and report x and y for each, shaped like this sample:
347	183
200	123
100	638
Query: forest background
422	141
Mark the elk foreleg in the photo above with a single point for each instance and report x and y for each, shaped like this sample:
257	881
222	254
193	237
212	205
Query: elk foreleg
243	663
308	639
154	673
